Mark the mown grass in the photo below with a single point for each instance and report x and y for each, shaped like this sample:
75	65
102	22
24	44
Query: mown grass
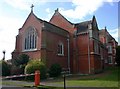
108	80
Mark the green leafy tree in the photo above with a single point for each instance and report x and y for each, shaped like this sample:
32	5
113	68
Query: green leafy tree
4	68
20	62
118	55
23	59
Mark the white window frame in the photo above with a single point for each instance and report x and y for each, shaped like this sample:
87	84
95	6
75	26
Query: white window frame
60	49
90	34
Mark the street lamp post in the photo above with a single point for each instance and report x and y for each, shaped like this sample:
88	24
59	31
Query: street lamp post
3	54
64	81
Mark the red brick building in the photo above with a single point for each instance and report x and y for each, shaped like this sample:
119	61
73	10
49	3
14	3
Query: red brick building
75	47
110	44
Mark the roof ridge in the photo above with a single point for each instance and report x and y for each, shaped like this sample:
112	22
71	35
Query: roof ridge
57	11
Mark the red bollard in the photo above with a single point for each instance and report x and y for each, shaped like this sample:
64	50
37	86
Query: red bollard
37	77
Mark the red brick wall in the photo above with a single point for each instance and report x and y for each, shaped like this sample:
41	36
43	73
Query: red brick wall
97	64
47	45
52	40
82	61
34	22
60	21
82	46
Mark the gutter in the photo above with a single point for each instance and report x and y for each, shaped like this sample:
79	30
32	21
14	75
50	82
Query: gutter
68	41
89	53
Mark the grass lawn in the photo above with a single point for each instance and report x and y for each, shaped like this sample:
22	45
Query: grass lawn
109	79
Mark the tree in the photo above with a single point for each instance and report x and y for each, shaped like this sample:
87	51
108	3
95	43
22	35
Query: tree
21	60
4	68
118	55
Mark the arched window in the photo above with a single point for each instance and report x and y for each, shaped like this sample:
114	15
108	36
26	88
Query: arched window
60	49
30	39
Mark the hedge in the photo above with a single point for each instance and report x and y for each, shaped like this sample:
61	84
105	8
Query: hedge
4	68
55	70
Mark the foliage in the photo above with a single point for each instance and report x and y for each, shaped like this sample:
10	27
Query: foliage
118	55
16	70
20	62
22	59
34	65
55	70
5	68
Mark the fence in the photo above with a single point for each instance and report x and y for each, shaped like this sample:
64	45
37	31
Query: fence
36	78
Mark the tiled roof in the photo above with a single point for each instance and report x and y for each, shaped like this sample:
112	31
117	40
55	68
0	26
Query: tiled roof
106	33
83	26
55	29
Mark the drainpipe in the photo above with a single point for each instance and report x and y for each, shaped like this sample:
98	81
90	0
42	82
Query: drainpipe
68	41
89	52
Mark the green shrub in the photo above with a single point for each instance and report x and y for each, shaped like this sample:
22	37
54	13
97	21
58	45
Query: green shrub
55	70
4	68
34	65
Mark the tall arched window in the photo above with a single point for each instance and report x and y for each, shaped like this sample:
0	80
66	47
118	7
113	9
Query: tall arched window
30	39
60	49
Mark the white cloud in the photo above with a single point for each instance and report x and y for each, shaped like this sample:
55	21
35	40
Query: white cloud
8	30
49	15
21	4
114	33
48	10
24	4
82	8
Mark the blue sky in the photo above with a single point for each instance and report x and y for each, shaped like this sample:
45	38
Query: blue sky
13	14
